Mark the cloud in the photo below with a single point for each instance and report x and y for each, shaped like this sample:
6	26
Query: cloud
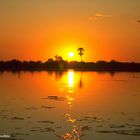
135	21
99	16
102	15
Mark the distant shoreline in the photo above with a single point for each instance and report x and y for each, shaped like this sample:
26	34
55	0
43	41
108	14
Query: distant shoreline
55	70
16	65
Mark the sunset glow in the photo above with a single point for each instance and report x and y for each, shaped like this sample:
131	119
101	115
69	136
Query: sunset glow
39	30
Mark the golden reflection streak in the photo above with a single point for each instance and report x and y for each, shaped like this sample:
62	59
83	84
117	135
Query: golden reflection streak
71	80
69	99
76	132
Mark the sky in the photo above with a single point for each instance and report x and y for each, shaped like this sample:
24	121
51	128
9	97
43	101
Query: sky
41	29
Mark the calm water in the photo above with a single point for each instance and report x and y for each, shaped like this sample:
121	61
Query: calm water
70	105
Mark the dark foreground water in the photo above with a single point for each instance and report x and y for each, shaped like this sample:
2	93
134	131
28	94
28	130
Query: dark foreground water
70	106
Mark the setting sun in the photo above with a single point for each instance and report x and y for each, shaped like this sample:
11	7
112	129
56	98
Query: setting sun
71	54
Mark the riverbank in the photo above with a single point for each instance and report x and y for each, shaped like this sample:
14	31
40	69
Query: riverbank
16	65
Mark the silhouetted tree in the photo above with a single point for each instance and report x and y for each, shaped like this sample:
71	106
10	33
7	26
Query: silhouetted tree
61	65
80	52
58	58
50	60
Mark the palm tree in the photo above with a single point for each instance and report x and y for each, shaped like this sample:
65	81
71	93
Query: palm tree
80	52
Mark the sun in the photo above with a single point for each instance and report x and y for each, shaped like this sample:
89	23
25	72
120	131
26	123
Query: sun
71	54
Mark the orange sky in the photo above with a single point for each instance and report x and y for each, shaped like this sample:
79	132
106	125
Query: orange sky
39	29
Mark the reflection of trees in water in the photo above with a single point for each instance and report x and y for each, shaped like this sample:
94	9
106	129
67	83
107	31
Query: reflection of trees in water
58	75
19	74
111	73
50	72
16	73
81	84
1	72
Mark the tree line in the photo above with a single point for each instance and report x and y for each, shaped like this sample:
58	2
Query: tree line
60	64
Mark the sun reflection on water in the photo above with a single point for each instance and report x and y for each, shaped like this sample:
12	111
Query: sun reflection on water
71	80
75	133
69	84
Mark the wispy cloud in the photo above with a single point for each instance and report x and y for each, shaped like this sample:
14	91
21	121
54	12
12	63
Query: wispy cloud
135	21
99	16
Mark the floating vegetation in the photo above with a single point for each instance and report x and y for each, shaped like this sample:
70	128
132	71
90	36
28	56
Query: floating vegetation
34	129
39	129
7	137
99	126
106	131
56	98
21	134
31	108
5	110
29	117
48	129
117	126
86	128
58	127
133	125
50	122
17	118
47	107
91	119
5	113
134	132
